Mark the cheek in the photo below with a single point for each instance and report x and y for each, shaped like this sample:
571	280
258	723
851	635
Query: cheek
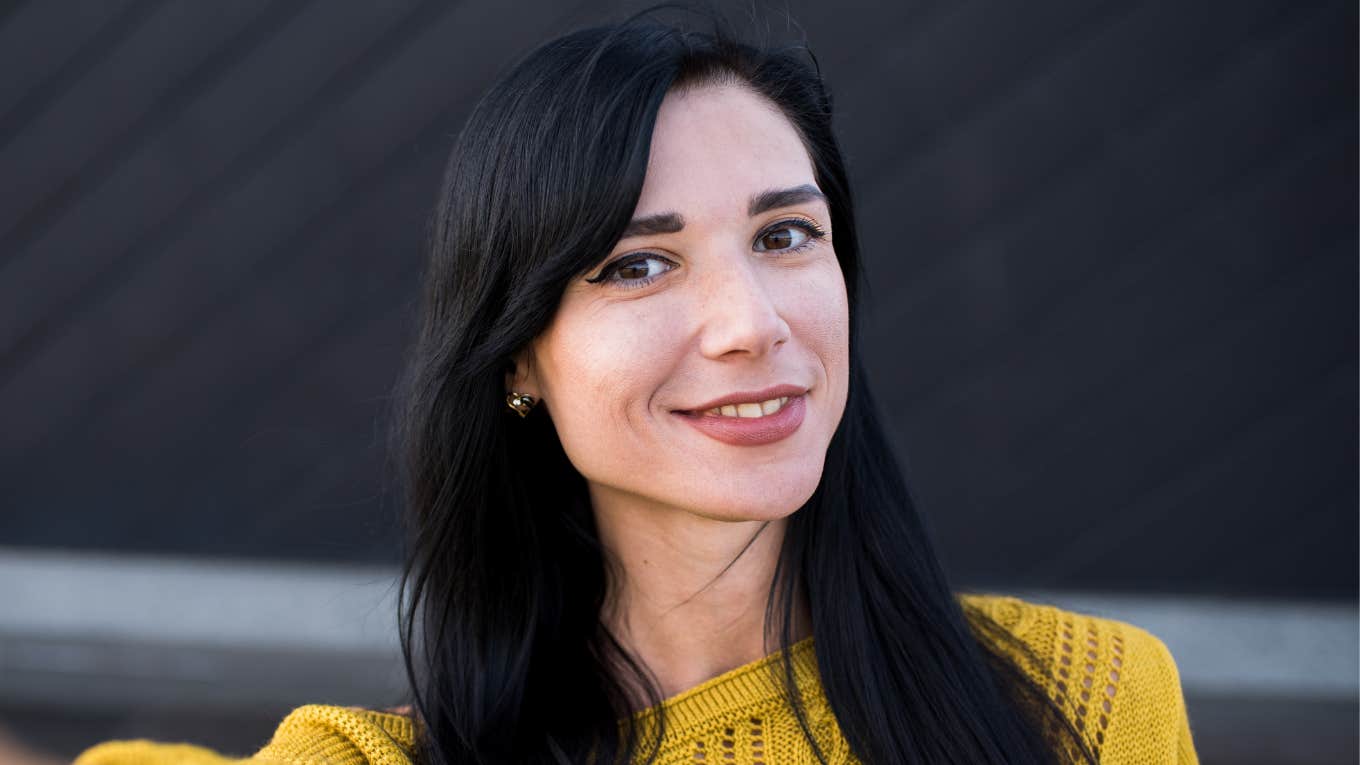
820	315
821	320
600	379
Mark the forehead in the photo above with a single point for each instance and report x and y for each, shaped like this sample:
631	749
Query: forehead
714	146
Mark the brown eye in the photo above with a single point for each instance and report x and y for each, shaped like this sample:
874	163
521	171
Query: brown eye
641	269
786	237
777	240
638	269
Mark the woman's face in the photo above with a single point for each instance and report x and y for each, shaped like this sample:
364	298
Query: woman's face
726	284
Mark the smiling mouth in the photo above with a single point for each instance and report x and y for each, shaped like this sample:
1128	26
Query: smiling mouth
749	410
748	423
749	404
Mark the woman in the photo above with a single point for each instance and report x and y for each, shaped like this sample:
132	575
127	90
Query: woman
654	515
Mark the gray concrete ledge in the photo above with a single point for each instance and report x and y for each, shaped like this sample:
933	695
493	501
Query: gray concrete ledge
1236	648
100	629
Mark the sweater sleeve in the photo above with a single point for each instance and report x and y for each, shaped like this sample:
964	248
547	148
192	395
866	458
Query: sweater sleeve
1116	682
310	735
1120	686
143	752
1150	722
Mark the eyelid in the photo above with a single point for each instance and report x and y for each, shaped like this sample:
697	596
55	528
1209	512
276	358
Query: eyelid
608	269
806	220
810	226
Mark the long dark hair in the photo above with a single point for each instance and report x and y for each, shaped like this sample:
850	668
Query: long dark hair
505	575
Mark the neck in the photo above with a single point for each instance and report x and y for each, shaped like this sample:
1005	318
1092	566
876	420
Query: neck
690	594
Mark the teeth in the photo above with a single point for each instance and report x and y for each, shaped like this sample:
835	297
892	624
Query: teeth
750	410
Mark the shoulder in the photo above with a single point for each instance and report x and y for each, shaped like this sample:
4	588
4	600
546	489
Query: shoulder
310	735
1117	682
319	733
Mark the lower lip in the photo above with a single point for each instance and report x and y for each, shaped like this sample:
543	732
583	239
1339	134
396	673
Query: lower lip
751	431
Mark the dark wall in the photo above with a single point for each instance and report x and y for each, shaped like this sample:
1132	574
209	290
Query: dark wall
1113	253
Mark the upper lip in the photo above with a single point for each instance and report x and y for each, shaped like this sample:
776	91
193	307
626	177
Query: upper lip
755	396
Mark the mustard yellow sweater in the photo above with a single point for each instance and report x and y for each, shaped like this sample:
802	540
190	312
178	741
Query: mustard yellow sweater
1117	683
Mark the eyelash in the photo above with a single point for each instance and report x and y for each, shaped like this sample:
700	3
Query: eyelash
813	231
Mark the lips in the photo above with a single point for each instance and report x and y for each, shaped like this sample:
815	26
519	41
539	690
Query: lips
750	431
749	397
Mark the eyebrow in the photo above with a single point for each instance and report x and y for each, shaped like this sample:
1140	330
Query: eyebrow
661	223
774	198
670	223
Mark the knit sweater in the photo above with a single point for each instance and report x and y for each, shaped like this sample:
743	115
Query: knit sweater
1116	682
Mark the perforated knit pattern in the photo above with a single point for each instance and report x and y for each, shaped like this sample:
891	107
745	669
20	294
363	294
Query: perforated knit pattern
740	717
309	735
1116	682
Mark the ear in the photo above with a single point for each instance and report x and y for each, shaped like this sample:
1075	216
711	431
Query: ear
520	376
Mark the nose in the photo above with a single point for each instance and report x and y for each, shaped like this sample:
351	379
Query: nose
741	315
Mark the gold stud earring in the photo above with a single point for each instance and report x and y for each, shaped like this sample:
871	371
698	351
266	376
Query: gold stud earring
520	402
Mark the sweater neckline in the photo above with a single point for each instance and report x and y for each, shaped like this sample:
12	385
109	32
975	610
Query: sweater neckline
749	683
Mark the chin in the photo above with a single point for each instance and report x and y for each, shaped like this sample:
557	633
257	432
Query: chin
757	503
